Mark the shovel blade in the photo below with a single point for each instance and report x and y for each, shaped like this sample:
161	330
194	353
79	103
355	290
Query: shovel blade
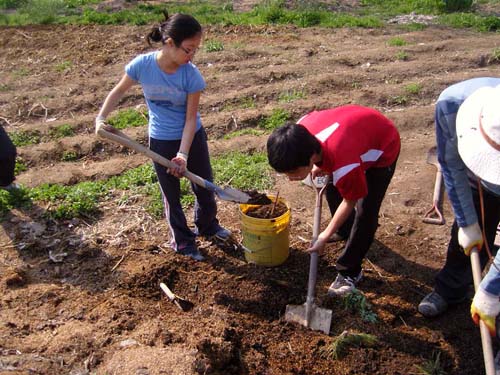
232	195
320	319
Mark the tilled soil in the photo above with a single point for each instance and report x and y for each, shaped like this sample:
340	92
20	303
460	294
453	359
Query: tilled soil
83	296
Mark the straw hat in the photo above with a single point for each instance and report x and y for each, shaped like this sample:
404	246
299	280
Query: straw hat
478	133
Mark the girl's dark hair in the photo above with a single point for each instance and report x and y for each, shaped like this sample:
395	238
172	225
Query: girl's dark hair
290	147
178	27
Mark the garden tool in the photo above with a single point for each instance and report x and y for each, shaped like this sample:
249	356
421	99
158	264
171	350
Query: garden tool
227	194
181	303
489	361
308	314
435	215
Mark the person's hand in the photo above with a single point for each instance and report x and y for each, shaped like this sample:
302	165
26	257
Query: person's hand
470	237
316	172
485	306
319	245
100	123
181	163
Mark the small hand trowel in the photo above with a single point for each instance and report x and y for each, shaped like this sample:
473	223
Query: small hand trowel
308	314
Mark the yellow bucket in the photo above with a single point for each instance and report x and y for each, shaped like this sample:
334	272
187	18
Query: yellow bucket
265	241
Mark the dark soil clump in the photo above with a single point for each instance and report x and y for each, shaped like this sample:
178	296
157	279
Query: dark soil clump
258	198
268	211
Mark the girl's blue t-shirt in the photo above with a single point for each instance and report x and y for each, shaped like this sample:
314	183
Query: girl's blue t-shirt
166	94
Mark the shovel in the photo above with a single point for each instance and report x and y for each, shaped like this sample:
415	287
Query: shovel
227	194
308	314
489	361
181	303
435	215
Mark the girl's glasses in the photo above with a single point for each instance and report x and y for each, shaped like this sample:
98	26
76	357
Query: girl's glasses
188	51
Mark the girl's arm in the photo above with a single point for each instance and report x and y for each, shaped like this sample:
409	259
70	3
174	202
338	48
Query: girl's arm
114	97
193	102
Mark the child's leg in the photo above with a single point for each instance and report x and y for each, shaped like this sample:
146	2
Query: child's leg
365	222
205	210
182	236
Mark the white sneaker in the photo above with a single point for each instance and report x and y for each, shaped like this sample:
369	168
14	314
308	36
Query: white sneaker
344	284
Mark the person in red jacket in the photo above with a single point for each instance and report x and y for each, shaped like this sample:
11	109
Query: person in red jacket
358	147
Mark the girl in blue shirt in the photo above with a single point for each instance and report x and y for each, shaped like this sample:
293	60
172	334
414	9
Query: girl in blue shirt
172	86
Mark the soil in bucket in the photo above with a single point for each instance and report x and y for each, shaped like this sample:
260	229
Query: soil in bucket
265	231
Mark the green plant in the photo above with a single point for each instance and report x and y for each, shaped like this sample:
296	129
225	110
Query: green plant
15	198
61	131
414	26
69	156
245	102
213	46
291	95
243	171
21	72
246	131
339	347
43	11
277	118
396	41
4	87
432	366
413	88
402	56
63	66
495	56
25	137
398	100
20	166
356	301
128	118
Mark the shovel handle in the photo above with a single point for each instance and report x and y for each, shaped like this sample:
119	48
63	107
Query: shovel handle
119	137
489	361
313	266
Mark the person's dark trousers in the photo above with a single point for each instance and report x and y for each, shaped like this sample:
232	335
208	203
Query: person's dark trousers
365	221
7	158
454	279
205	206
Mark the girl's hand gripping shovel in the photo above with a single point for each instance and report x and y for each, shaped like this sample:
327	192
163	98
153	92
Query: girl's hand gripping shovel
309	314
227	194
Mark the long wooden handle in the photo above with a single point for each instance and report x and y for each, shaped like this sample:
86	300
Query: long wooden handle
489	361
122	139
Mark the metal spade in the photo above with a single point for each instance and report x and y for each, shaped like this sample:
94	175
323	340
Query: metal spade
308	314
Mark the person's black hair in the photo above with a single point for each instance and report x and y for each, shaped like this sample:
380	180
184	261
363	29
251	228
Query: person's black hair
178	27
290	147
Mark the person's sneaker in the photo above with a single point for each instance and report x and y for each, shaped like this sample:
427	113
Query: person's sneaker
11	187
336	237
192	252
223	234
344	284
432	305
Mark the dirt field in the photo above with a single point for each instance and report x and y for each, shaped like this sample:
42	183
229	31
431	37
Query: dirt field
92	313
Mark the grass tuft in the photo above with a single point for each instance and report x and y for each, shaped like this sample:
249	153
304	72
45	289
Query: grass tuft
340	346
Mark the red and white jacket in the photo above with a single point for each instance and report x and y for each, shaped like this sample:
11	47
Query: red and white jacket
353	139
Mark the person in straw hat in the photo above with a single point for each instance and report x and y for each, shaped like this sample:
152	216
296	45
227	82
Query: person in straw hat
467	120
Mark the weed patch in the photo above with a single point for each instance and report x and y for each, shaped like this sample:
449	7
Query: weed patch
277	118
128	118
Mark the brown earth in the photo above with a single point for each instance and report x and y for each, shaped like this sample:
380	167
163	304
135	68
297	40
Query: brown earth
98	308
